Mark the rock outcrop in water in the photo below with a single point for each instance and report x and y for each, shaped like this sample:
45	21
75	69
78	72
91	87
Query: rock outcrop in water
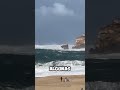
80	42
65	46
108	38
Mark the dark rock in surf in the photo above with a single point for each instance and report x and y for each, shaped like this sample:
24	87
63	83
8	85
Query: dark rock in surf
65	46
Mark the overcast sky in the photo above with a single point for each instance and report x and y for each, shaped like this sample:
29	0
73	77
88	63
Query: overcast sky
98	14
59	21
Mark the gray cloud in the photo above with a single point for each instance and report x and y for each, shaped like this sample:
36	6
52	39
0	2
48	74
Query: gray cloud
56	9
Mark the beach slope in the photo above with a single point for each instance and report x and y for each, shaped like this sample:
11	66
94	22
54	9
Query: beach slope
76	82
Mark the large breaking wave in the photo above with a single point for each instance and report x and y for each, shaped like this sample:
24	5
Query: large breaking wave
54	55
57	47
42	70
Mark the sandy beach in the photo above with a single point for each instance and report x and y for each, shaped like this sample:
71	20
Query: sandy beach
76	82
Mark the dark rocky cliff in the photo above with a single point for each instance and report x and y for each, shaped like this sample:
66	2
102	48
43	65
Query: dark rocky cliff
108	38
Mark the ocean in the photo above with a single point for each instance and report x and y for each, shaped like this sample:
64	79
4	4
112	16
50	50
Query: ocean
54	55
103	70
102	74
17	72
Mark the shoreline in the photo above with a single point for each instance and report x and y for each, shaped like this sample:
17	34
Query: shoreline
76	82
61	75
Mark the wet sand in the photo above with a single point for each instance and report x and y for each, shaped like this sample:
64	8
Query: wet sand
76	82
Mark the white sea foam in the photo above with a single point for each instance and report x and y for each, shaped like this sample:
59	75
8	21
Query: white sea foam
57	47
77	68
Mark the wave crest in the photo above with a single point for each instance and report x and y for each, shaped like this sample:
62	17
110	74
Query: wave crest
62	63
57	47
77	68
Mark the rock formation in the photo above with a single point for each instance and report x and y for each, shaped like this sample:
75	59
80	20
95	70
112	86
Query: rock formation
80	42
65	46
108	38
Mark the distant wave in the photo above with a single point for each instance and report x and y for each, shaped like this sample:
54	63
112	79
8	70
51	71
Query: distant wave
104	56
21	50
57	47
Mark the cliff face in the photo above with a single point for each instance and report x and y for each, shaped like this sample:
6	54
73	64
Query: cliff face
108	38
80	42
